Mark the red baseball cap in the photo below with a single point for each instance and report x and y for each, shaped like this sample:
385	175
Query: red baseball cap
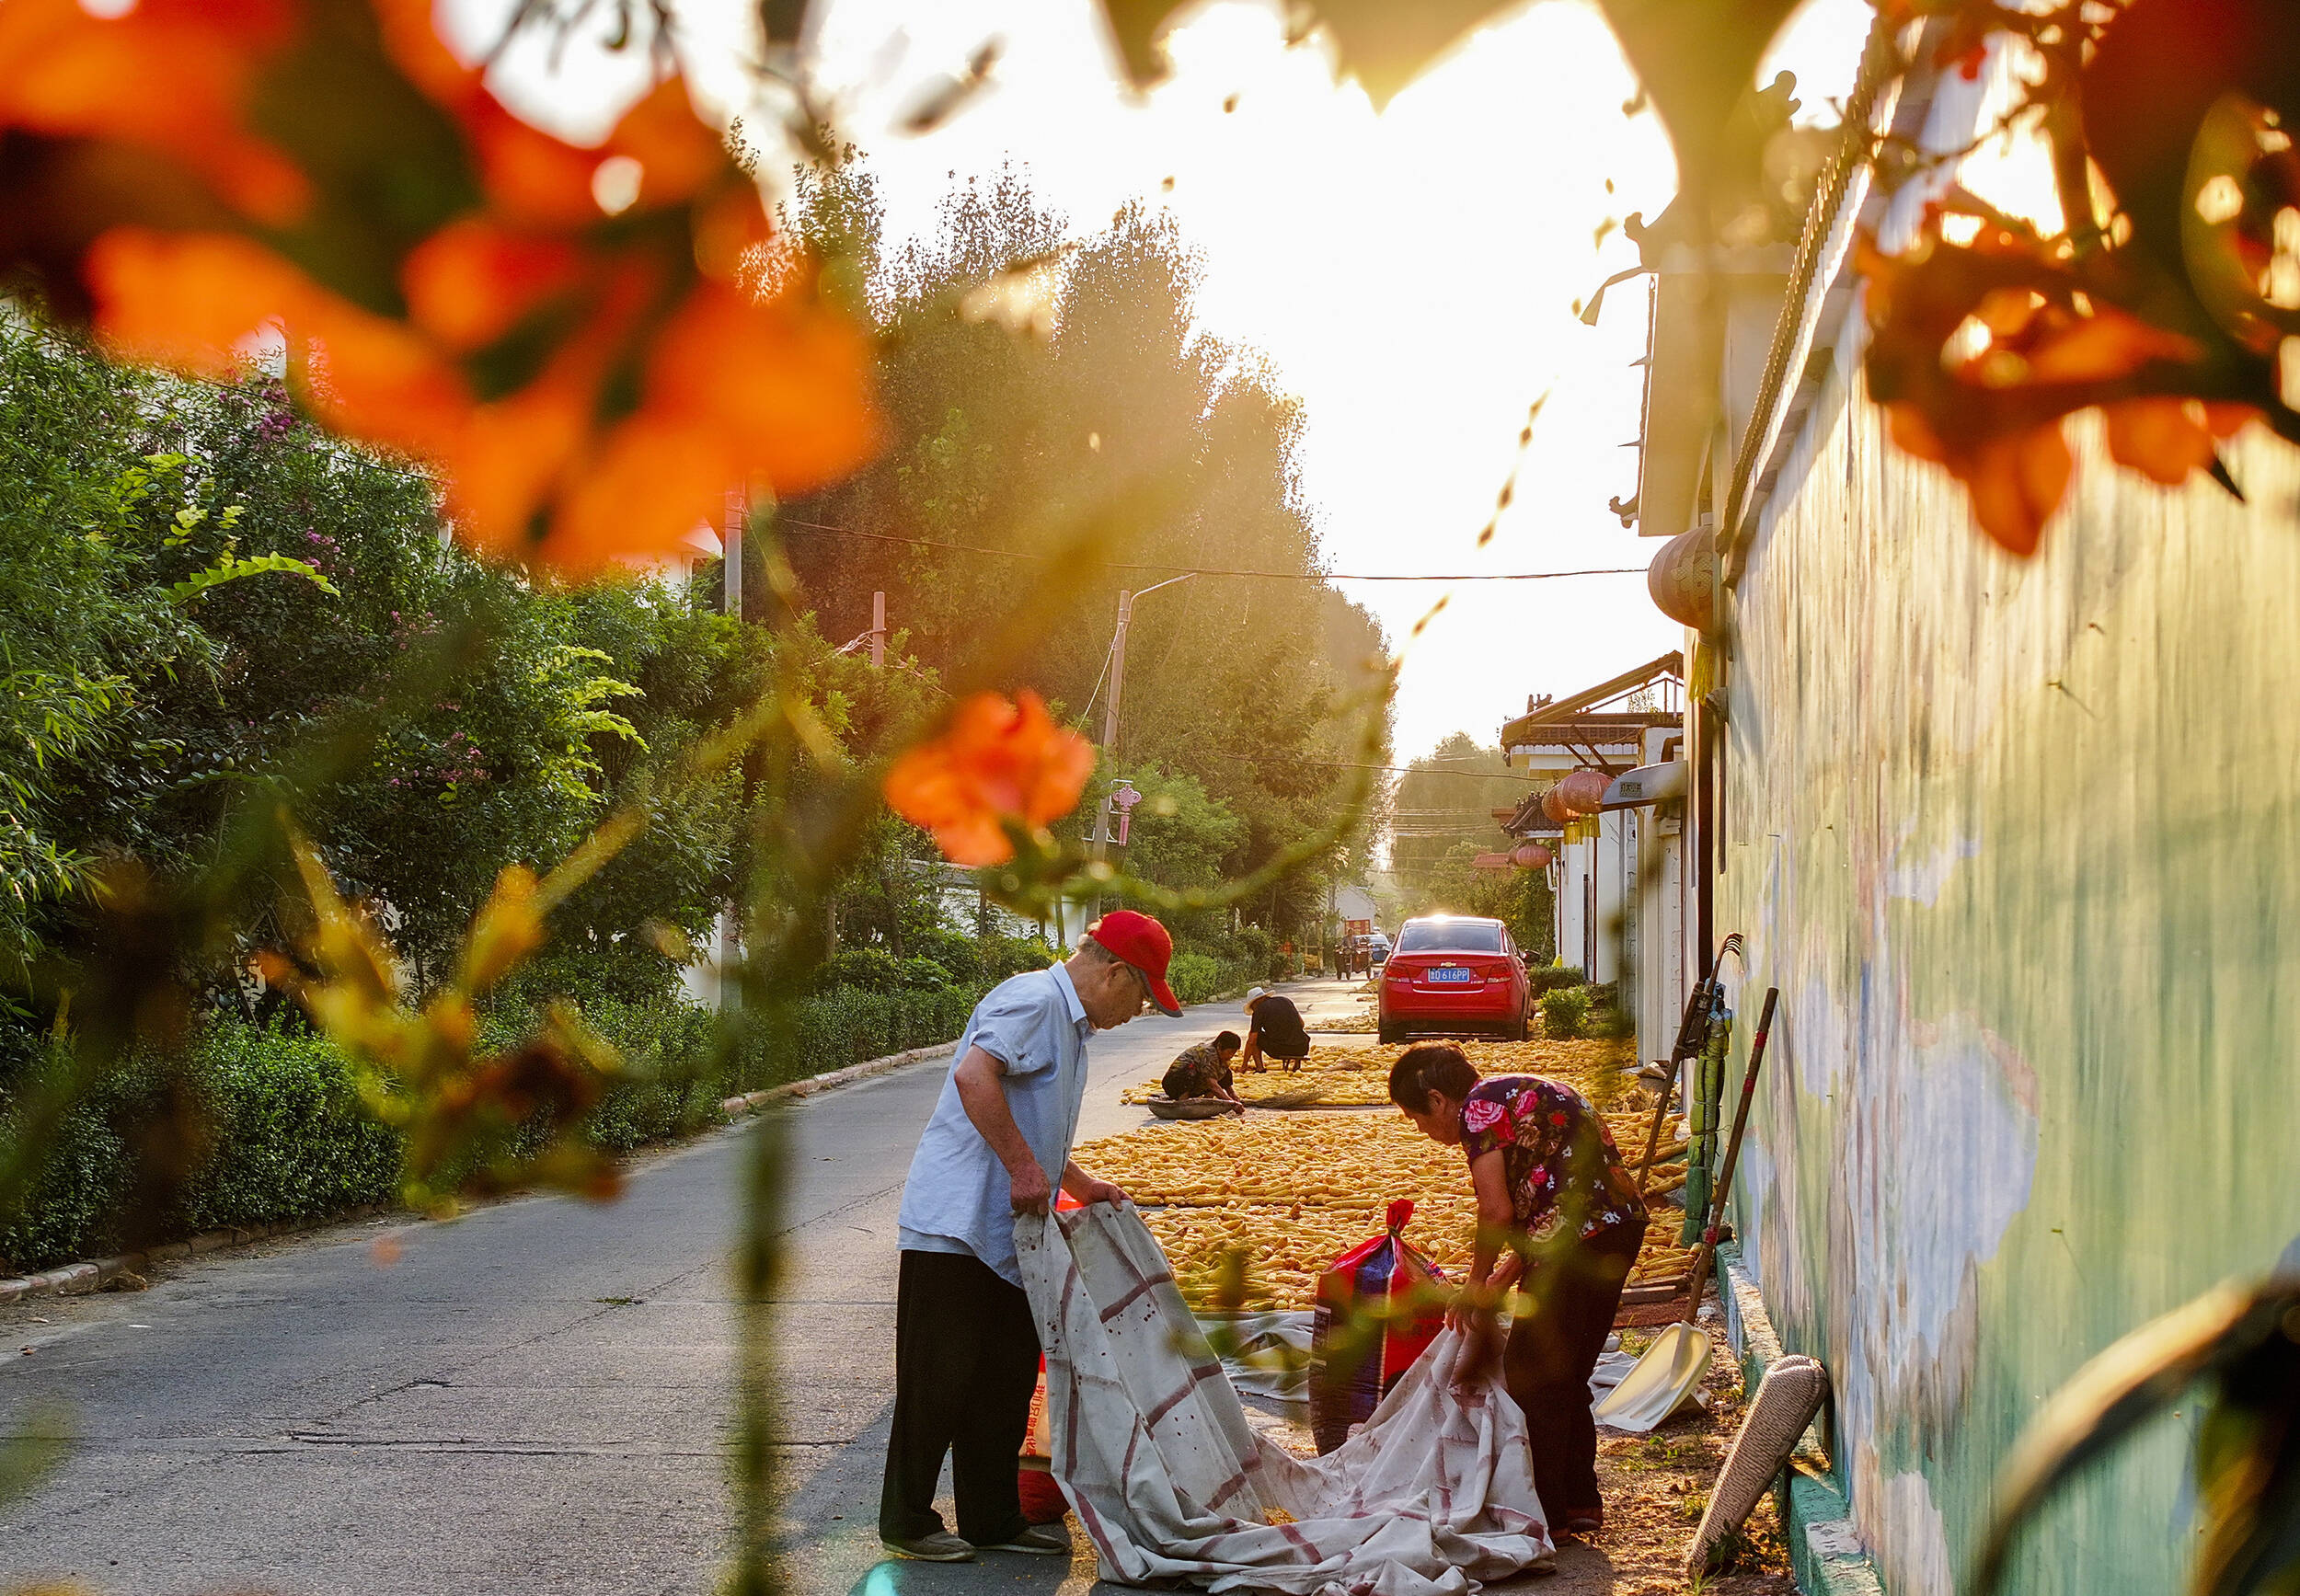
1143	943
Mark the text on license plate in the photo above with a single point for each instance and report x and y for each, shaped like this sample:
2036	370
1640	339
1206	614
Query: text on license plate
1453	972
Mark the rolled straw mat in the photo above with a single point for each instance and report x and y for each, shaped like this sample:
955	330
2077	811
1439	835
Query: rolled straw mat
1791	1393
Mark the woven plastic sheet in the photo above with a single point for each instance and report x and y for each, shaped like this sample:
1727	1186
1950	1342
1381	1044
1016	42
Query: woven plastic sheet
1152	1447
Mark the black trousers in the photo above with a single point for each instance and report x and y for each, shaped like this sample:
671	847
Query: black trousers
965	1363
1550	1354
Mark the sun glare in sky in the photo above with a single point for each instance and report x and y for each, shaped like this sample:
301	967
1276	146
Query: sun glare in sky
1412	275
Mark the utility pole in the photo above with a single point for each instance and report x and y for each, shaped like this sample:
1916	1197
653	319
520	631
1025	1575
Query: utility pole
1102	835
737	512
1109	722
1102	838
878	663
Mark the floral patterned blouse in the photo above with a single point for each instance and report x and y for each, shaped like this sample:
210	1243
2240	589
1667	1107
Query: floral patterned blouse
1550	1141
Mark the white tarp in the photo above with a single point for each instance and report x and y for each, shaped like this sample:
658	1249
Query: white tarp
1151	1445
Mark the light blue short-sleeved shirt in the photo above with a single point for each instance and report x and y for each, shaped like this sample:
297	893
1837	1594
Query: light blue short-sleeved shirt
958	1197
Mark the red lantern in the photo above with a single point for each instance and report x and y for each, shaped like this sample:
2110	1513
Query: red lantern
1529	856
1683	580
1553	806
1583	792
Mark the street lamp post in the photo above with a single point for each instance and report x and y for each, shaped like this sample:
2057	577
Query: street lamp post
1104	810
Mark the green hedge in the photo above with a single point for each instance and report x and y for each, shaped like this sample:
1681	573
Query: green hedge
285	1138
846	1025
1201	978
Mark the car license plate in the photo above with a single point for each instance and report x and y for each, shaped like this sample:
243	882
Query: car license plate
1453	974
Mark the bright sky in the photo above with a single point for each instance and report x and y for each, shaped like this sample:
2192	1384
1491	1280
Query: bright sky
1410	275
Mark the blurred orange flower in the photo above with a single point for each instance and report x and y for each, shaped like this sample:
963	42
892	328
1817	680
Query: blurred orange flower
1002	761
1980	351
564	332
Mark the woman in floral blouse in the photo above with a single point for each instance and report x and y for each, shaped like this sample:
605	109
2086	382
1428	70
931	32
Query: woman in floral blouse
1556	1209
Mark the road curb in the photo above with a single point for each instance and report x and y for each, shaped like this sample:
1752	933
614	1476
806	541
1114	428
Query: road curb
752	1102
89	1275
95	1274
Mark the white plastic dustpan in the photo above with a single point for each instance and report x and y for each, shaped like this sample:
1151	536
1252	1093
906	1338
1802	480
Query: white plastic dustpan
1668	1374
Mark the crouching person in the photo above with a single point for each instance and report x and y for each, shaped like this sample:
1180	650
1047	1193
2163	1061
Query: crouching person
1203	1071
966	1347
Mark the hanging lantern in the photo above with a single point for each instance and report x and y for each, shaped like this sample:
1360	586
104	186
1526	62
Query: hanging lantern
1583	792
1553	808
1683	578
1529	856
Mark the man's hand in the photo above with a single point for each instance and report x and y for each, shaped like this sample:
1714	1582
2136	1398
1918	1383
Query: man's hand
1032	1194
1094	1189
1087	1186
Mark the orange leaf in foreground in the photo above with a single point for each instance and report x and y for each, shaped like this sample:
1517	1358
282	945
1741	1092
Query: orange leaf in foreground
2164	439
2015	484
190	300
170	77
470	281
589	386
1000	761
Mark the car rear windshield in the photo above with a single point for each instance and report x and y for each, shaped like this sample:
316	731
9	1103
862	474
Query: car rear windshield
1451	936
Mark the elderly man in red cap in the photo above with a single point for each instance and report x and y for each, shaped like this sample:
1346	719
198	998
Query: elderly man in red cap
966	1347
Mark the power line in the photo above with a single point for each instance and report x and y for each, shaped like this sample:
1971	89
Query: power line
1401	769
1207	571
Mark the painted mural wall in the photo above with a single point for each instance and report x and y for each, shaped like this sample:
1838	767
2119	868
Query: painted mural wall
2020	845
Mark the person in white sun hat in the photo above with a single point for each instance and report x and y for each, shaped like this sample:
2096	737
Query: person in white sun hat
1275	1031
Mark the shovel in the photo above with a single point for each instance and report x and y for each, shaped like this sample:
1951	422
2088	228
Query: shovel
1672	1366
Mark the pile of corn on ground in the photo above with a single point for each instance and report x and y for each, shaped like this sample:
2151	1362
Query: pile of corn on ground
1285	1193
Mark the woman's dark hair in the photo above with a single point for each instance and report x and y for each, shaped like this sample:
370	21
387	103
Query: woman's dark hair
1431	1067
1227	1042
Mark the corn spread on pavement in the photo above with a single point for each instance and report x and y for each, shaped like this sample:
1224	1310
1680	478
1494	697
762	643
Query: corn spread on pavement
1287	1193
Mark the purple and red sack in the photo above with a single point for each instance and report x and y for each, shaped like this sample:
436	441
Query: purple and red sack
1356	1356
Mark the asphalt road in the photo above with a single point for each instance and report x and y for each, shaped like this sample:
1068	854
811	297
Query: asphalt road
531	1399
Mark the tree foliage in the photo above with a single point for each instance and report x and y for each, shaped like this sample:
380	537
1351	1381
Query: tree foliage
1447	797
1034	384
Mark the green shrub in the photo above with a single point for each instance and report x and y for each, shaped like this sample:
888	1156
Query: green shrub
1606	1016
286	1140
876	970
996	957
66	1207
1562	1011
847	1024
1553	977
1200	978
290	1141
959	954
1195	977
673	1073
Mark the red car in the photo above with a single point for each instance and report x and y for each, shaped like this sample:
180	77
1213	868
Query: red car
1455	975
